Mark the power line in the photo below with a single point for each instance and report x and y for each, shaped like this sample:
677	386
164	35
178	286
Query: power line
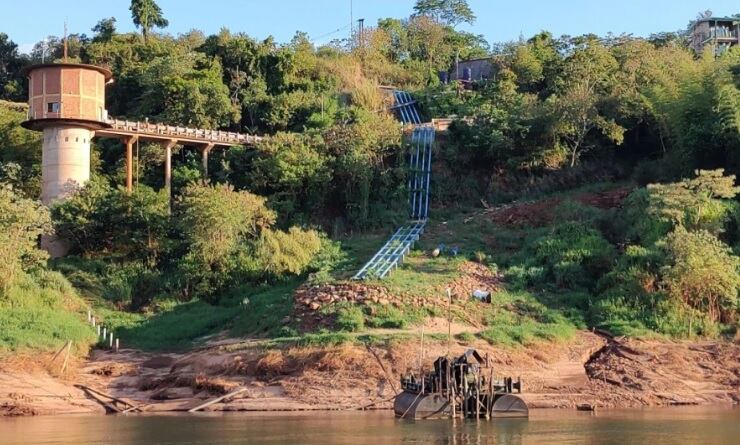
313	39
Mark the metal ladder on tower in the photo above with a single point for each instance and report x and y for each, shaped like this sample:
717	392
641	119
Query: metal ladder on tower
393	252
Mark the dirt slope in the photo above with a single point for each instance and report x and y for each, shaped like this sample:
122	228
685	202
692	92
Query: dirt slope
589	369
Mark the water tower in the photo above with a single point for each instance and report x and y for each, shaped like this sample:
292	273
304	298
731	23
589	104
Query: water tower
66	101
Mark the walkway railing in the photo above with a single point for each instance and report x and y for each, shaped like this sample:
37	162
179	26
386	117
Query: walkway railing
194	134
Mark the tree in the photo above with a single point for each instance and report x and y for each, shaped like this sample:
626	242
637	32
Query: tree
11	62
576	115
104	30
584	88
702	273
22	221
449	12
146	15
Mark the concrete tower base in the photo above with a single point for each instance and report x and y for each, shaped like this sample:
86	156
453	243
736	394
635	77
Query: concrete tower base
65	166
65	161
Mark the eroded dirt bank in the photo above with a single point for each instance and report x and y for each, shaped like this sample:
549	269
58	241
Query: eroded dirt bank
588	370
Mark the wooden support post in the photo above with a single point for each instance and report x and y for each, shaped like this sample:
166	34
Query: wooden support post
464	393
111	339
66	357
207	149
130	162
477	397
117	345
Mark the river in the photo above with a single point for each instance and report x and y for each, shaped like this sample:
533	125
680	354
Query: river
655	426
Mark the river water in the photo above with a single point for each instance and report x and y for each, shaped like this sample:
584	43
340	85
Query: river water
659	426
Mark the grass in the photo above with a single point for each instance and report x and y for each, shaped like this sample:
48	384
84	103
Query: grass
180	326
421	274
42	314
171	330
519	317
268	306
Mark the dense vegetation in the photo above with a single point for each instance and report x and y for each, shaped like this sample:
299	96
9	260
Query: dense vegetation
227	250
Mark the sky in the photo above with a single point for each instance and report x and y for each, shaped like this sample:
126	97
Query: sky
324	20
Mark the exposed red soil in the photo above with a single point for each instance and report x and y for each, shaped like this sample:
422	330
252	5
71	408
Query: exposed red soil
541	213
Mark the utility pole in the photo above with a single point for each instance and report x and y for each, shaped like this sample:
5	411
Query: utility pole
351	25
361	32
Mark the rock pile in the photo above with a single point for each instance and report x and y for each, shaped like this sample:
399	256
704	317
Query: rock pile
474	276
314	297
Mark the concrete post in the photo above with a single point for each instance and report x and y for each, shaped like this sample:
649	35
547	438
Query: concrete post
207	149
130	162
168	162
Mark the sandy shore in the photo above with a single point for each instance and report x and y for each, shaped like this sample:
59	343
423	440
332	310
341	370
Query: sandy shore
590	369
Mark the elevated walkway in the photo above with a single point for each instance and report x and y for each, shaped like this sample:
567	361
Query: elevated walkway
183	135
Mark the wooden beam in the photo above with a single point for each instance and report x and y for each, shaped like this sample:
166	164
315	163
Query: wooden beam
216	400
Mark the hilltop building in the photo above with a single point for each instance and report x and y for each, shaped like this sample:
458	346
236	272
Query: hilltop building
721	33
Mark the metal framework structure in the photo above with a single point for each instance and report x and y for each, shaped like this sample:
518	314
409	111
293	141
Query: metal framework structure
406	107
420	169
400	243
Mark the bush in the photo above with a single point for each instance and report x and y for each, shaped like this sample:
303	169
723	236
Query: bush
703	273
282	253
229	240
574	211
573	255
695	204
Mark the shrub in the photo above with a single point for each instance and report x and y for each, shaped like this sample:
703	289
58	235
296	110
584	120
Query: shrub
695	204
703	273
573	255
574	211
282	253
218	223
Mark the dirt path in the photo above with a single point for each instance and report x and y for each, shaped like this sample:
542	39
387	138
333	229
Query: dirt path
589	369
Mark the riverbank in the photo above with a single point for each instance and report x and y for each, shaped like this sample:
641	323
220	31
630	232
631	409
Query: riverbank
589	369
